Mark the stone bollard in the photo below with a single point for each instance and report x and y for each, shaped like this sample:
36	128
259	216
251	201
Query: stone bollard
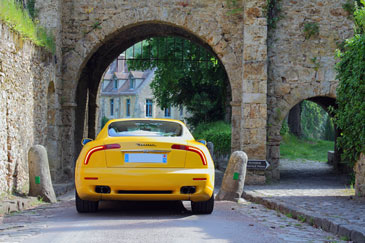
234	178
210	147
39	174
360	176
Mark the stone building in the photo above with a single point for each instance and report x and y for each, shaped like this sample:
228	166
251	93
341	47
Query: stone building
270	70
127	94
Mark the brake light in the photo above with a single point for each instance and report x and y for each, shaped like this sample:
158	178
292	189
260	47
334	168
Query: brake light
191	149
99	148
112	146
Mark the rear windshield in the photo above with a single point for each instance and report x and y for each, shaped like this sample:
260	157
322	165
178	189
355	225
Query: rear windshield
144	128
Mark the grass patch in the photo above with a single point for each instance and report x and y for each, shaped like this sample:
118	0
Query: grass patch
345	238
219	133
295	148
19	20
301	218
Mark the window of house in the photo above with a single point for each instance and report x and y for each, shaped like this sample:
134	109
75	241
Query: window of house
115	84
148	108
131	83
112	107
128	107
168	111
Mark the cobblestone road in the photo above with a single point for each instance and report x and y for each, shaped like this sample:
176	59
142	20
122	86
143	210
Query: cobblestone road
30	225
314	188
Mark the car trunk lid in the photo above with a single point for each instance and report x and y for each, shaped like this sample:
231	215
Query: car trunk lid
145	153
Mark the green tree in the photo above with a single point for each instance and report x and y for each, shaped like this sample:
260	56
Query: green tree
313	120
104	120
329	130
185	74
350	115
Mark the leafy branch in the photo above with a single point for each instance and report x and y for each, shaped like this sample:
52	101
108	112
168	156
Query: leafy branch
273	12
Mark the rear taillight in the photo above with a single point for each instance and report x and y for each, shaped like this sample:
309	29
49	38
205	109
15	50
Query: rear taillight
112	146
191	149
99	148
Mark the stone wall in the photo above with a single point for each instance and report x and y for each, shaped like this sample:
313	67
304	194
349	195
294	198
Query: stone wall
267	76
360	176
25	71
49	14
301	68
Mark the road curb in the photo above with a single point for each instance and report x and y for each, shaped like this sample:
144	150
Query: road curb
15	205
351	232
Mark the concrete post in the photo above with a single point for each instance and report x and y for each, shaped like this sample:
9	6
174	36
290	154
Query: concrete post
39	174
210	147
234	178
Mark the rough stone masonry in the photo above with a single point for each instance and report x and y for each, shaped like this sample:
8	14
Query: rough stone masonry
25	73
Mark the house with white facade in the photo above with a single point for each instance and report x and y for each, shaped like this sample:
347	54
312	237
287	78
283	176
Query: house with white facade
127	94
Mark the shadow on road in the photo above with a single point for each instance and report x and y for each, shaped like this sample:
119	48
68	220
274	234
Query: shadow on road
144	208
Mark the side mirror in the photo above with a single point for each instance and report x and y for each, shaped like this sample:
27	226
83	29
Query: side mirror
85	141
202	141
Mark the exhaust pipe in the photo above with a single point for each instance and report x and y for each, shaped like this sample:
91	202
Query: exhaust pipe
188	190
192	190
102	189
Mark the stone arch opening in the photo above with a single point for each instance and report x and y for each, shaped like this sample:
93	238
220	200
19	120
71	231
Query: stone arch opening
325	103
93	68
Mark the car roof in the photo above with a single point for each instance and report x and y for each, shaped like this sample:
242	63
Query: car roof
145	119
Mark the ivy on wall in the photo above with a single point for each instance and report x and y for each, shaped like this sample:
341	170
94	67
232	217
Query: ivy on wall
350	7
311	29
350	114
273	12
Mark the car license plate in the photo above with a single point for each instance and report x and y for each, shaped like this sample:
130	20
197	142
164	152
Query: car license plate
145	158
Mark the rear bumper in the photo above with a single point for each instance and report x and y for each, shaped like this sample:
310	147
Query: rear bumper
148	180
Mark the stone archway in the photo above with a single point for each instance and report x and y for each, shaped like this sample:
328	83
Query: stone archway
99	38
85	99
277	118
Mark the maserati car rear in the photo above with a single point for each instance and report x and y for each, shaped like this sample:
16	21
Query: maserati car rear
144	159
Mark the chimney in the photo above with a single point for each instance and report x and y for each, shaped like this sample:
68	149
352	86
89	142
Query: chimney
120	64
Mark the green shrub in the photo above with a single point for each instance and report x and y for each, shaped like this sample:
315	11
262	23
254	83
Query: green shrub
104	120
311	29
350	7
314	121
350	115
219	133
18	19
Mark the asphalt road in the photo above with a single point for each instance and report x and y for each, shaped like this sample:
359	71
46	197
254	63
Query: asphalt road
152	222
155	222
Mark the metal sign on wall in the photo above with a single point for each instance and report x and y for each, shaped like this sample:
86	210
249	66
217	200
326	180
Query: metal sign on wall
255	164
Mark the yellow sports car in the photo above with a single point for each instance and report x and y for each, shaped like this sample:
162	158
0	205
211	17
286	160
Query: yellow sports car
144	159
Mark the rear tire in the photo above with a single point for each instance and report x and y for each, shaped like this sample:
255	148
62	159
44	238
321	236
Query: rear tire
85	206
205	207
